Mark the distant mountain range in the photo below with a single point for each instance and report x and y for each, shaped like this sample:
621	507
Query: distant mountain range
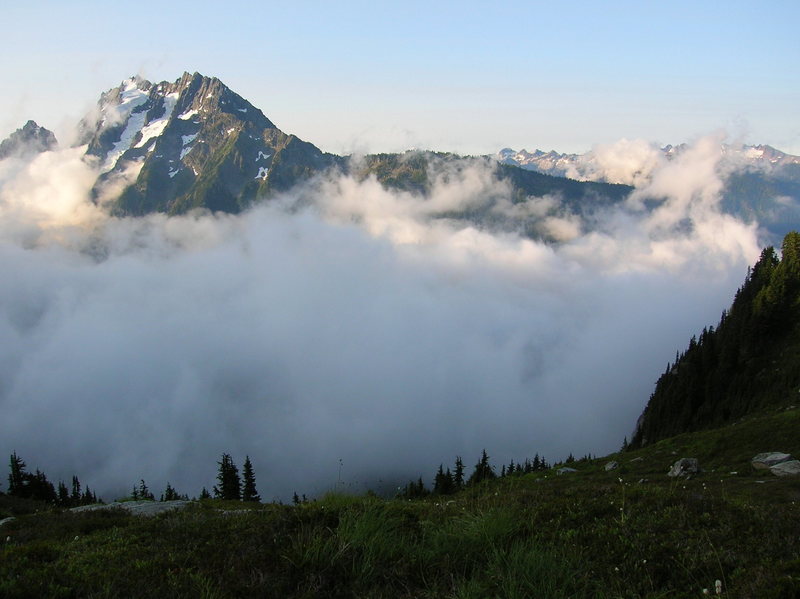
584	167
193	143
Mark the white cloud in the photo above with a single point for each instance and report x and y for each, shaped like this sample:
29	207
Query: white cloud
364	327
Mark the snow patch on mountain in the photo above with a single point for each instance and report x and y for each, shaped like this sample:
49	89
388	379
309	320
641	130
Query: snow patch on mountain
156	127
132	128
187	115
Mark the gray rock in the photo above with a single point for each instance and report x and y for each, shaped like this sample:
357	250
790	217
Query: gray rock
611	466
763	461
684	467
137	508
7	520
28	141
788	468
565	470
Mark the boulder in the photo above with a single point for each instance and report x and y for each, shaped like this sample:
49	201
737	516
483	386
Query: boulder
763	461
565	470
611	466
787	468
684	467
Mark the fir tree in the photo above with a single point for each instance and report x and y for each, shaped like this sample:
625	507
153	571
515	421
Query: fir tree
458	474
169	493
75	497
249	492
144	492
228	477
483	471
204	494
63	494
443	483
17	476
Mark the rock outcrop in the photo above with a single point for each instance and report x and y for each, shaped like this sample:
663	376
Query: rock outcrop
764	461
684	468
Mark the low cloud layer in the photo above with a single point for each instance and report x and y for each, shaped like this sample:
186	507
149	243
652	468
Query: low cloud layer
363	327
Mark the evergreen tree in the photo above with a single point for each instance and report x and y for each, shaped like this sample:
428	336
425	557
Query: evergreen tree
144	492
204	494
228	477
170	494
17	476
512	468
414	490
249	492
63	494
458	474
483	471
40	488
88	497
75	497
443	483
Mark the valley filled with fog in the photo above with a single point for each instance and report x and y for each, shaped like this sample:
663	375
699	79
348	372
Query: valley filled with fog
344	332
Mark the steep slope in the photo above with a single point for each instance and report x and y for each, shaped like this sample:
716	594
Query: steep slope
29	140
171	147
751	361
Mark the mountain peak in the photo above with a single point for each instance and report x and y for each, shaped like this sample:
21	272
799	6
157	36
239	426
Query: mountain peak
30	139
192	142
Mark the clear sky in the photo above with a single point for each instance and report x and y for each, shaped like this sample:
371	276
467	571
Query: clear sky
459	76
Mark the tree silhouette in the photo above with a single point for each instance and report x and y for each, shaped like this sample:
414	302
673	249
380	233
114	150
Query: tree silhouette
228	477
249	492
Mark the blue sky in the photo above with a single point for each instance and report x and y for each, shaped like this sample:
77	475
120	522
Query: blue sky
459	76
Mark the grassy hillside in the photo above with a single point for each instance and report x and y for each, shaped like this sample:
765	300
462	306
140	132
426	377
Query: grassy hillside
628	532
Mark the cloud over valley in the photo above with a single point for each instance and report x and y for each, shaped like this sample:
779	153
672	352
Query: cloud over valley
344	321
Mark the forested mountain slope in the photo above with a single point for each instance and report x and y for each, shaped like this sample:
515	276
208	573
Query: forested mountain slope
751	360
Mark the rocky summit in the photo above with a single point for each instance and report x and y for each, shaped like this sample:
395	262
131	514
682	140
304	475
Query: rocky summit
170	147
30	139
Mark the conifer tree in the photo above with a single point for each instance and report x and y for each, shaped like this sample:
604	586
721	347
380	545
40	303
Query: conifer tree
204	494
170	494
144	492
443	483
249	492
75	497
483	471
17	476
458	474
63	494
228	478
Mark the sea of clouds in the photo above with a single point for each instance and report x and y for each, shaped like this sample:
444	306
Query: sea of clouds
345	334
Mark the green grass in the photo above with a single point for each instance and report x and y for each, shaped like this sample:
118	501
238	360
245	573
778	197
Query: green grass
583	535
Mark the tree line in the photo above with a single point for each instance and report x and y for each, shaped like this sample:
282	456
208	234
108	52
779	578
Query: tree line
36	486
448	482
